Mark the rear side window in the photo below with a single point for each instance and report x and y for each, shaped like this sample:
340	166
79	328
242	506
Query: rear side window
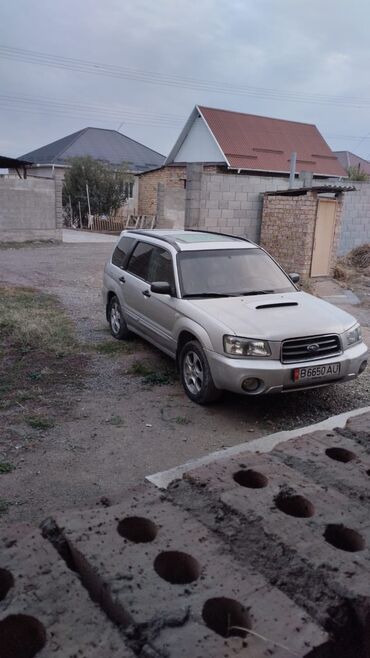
121	251
161	267
140	260
151	263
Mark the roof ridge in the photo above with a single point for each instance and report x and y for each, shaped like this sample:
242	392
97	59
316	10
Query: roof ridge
258	116
78	135
136	142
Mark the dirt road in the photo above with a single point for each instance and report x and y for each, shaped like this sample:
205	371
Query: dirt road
120	429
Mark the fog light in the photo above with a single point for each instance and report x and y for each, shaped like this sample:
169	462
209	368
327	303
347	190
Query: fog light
251	384
362	367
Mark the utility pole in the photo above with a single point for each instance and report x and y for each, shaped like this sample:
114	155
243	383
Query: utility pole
293	162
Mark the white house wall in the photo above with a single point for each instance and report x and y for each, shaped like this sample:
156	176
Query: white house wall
199	145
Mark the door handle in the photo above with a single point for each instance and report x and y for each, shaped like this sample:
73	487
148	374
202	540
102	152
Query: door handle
122	279
146	293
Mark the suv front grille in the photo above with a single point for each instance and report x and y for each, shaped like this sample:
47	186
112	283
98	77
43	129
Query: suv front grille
309	348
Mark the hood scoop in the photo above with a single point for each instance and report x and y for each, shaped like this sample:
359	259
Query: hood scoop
277	304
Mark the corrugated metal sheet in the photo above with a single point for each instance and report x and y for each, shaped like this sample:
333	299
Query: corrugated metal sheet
260	143
101	144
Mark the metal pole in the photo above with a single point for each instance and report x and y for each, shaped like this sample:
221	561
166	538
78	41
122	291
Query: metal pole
79	212
293	161
88	204
70	209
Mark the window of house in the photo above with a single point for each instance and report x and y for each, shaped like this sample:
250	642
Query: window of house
129	188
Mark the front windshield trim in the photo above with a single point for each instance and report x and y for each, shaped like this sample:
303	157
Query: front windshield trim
247	250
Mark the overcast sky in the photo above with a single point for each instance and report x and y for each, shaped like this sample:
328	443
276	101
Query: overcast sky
306	61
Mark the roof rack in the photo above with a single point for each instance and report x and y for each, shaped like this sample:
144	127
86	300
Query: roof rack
226	235
157	237
173	243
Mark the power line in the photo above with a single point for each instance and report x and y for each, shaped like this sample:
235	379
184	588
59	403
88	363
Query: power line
79	110
102	113
174	80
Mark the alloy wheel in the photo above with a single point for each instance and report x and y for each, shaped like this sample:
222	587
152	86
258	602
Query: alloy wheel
193	372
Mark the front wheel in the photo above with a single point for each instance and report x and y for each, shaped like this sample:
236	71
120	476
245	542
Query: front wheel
196	376
117	323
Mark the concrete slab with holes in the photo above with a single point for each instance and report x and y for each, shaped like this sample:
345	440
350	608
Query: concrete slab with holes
44	610
173	587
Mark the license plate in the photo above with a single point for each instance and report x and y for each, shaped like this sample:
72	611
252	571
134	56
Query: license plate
316	372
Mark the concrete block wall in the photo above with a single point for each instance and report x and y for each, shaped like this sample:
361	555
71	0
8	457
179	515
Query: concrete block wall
229	203
30	209
356	218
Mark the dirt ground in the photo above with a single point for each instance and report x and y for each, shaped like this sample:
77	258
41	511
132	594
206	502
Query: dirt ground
123	423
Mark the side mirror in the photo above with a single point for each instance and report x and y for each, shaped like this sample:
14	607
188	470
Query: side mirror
161	288
294	277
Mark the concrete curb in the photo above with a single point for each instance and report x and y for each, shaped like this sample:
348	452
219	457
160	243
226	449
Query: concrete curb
264	444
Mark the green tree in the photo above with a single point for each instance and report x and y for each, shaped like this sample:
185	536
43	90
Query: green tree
108	187
356	173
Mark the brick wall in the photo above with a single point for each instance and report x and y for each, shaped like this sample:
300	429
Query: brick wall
172	176
170	207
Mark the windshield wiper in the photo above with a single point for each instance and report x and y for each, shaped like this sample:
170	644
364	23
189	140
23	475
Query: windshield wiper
208	294
255	292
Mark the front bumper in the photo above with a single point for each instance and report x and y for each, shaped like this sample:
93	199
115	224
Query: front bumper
276	377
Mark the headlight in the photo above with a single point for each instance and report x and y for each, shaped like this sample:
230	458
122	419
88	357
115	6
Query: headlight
236	346
353	335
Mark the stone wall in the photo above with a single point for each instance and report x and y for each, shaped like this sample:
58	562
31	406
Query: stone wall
30	209
288	229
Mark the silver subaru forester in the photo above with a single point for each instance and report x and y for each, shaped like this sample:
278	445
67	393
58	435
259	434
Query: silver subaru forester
229	315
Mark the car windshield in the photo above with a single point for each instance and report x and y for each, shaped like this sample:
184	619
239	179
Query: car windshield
230	272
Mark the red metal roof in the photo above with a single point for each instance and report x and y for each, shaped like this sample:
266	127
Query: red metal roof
261	143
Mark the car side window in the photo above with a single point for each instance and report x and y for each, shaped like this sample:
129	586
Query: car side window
140	260
161	267
119	256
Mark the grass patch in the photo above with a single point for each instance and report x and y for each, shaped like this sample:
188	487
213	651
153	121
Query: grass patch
158	378
116	421
182	420
4	506
113	347
140	368
39	356
6	467
151	375
38	422
32	320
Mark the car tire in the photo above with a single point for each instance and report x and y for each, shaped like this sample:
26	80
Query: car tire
117	322
196	376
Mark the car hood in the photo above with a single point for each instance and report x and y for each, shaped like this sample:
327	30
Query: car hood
275	316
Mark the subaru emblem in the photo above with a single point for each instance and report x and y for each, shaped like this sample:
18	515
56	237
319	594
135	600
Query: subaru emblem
313	347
